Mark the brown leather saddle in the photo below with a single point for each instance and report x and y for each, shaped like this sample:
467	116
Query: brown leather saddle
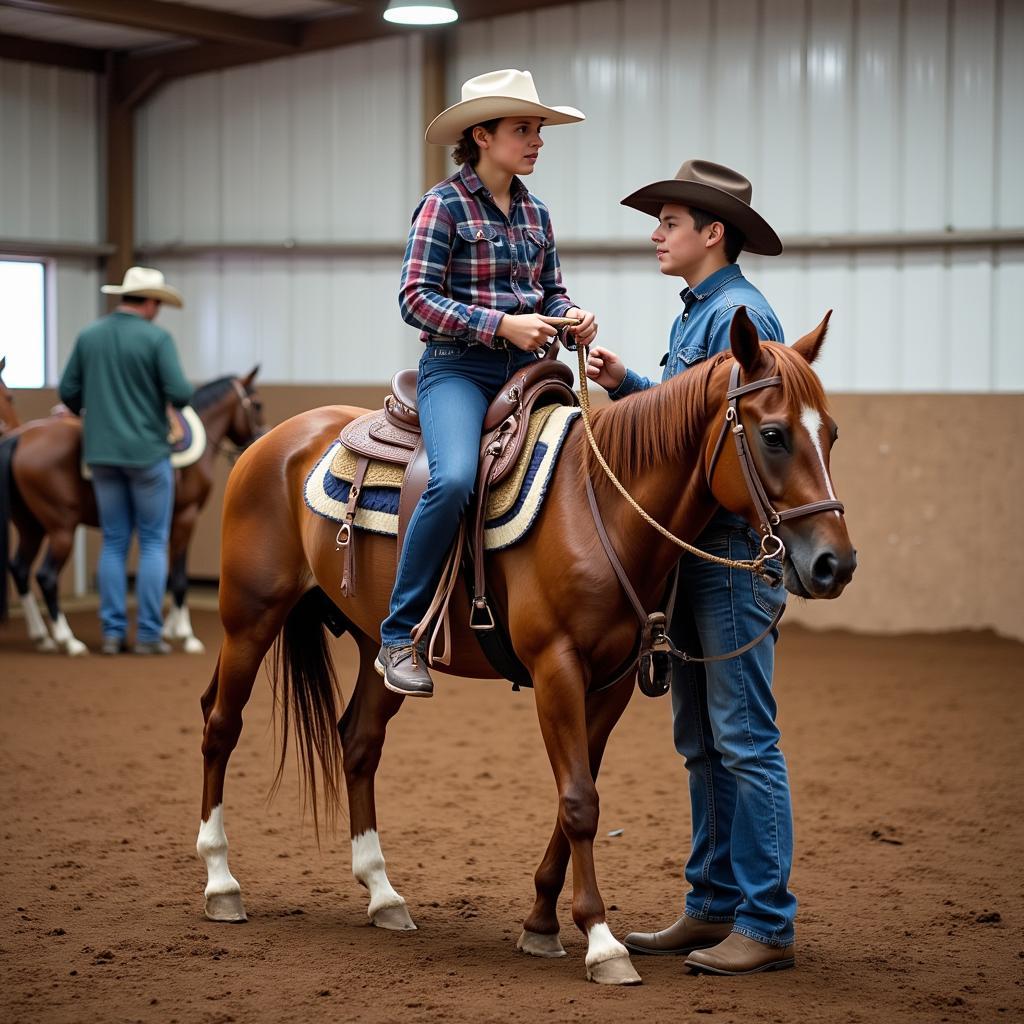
392	434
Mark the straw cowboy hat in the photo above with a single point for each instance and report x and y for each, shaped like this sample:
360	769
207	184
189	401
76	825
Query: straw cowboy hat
496	94
148	283
717	189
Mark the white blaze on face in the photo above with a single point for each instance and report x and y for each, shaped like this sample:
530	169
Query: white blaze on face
811	420
368	868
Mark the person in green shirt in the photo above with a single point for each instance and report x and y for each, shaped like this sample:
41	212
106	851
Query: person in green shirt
122	373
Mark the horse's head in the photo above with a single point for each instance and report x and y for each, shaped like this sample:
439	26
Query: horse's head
247	423
8	416
769	459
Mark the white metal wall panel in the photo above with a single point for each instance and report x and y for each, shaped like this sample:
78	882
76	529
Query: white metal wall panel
323	147
49	149
867	116
304	320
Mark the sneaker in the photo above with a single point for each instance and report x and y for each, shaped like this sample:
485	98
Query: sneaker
152	647
404	668
113	645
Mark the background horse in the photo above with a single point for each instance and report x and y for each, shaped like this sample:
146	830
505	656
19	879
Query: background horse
8	415
48	498
570	624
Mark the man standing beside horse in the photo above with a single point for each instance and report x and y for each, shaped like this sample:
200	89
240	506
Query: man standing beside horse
122	372
739	912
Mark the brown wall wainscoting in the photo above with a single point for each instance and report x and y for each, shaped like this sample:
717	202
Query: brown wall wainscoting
933	484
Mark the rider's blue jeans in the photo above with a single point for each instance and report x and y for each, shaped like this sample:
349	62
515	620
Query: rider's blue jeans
456	385
134	499
724	724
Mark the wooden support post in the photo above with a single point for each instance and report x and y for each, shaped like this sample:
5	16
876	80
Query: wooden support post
120	178
436	162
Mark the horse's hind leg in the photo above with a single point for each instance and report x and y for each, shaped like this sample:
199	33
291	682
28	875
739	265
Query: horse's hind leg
30	540
362	729
178	623
247	640
540	929
58	548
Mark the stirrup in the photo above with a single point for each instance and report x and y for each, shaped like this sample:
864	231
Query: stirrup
654	671
480	616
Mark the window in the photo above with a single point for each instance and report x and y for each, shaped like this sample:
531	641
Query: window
23	323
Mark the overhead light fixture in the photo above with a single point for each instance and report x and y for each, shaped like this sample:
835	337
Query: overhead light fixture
421	12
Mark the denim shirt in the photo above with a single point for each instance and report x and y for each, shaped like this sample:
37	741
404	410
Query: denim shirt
702	329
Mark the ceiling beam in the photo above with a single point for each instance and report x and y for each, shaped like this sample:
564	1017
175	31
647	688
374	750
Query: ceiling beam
177	19
42	51
317	34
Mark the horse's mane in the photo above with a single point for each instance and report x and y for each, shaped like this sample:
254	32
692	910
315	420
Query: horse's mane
210	393
655	426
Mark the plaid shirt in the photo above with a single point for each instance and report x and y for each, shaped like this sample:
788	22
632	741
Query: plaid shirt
467	264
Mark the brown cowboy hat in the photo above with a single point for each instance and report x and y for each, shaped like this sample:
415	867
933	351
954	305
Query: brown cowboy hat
720	191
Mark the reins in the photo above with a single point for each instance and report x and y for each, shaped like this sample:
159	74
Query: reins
655	641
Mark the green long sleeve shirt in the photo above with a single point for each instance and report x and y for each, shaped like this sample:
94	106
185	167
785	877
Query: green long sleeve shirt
122	372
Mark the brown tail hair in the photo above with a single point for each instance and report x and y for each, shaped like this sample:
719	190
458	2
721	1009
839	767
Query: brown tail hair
306	692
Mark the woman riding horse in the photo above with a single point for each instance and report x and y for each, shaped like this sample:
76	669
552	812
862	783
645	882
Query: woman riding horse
481	280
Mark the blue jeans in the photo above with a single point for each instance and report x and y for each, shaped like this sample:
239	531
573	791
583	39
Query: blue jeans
724	725
134	498
456	385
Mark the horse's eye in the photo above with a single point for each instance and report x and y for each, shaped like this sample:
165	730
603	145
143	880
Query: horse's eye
773	437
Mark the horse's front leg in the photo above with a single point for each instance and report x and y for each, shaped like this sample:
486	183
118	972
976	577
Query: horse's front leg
362	730
560	686
540	929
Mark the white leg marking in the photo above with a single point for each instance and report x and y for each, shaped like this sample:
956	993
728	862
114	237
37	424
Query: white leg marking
178	626
368	868
63	635
37	631
602	945
33	617
170	630
212	846
811	419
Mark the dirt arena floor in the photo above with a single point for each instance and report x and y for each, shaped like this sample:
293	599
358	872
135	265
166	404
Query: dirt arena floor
905	757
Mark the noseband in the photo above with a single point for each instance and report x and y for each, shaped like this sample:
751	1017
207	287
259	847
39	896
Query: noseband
766	514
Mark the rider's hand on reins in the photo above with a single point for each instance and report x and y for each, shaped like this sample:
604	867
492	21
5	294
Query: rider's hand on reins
530	332
586	330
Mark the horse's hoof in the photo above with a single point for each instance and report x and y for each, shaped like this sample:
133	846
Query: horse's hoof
226	907
540	945
394	919
193	645
74	648
46	645
616	971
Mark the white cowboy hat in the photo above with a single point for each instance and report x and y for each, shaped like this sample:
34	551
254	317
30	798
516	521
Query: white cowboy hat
496	94
148	283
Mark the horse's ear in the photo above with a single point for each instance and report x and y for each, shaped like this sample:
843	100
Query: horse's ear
746	346
809	346
3	363
252	376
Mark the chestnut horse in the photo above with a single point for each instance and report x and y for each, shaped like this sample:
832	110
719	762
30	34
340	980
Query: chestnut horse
49	498
570	624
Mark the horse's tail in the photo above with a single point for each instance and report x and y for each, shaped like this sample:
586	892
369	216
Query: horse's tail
306	689
7	446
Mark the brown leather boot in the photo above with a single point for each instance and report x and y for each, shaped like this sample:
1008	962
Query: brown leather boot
739	954
404	669
686	935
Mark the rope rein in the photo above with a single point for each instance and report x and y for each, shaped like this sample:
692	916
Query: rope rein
754	565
